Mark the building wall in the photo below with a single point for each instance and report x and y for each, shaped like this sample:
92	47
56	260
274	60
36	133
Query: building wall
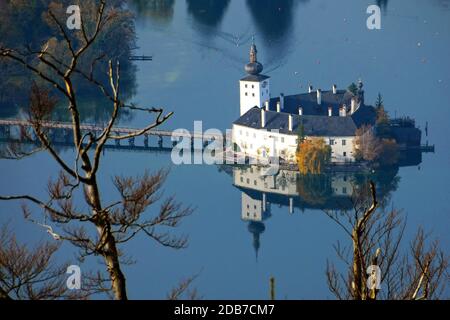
252	209
253	94
260	143
283	183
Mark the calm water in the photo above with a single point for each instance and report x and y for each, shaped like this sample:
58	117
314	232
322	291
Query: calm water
199	52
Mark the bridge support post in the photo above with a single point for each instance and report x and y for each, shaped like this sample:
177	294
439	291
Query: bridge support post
160	142
131	142
146	140
6	131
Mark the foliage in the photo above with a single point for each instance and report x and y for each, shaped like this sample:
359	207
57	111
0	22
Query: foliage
353	88
300	134
313	155
28	27
382	115
379	151
101	226
314	189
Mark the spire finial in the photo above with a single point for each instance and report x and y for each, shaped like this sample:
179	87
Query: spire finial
253	67
253	51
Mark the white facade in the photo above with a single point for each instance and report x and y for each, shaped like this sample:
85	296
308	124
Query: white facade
260	143
284	183
253	93
252	209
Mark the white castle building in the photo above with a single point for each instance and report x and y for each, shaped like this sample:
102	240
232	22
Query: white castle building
270	126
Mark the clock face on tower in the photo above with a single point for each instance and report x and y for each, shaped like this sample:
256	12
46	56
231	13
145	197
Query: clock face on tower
264	84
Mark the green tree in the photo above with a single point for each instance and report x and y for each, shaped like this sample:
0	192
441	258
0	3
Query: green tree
353	88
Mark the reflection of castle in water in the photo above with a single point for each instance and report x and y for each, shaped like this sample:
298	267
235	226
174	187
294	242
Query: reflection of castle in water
296	192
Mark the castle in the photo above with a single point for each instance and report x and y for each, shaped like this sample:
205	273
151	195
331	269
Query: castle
269	126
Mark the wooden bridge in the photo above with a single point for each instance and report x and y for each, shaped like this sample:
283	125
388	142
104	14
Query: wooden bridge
9	123
61	133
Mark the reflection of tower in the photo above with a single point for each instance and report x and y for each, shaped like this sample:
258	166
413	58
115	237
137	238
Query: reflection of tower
256	228
274	21
255	211
207	12
254	88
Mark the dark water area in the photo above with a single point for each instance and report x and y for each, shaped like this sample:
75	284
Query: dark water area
199	49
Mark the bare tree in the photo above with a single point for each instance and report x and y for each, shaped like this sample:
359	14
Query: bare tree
33	274
184	290
376	238
103	226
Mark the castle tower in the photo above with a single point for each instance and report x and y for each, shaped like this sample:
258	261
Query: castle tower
254	88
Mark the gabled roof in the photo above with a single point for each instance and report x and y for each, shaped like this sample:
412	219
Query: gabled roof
308	101
313	125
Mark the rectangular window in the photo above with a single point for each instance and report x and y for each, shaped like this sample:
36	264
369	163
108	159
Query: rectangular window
345	154
344	142
282	140
253	86
253	94
331	142
242	179
246	86
255	183
344	190
246	94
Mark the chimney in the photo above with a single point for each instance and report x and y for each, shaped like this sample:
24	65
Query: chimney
300	111
319	97
263	118
334	89
310	89
290	122
267	105
343	111
330	111
278	106
354	106
282	101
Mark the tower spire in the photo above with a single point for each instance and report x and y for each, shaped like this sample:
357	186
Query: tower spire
253	51
253	67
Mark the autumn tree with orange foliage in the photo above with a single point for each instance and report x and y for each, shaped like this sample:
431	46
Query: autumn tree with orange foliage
369	147
313	155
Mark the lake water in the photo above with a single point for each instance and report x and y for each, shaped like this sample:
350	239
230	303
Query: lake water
199	51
